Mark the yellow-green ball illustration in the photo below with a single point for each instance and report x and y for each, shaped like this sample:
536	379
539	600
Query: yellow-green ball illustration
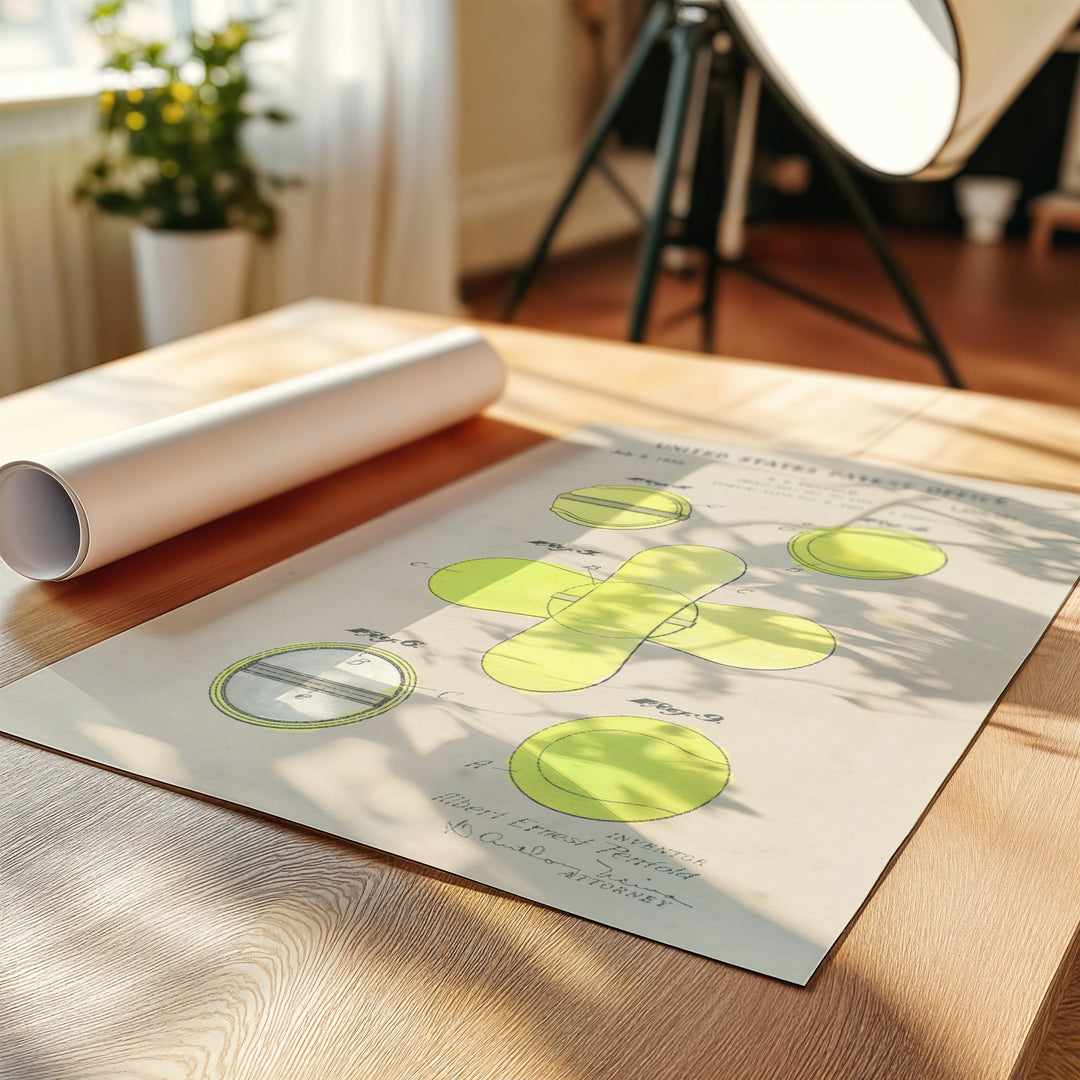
614	507
620	768
871	554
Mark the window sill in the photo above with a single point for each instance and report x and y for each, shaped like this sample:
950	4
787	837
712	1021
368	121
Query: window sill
50	86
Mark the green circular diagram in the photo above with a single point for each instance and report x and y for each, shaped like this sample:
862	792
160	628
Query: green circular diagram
871	554
313	685
613	507
620	768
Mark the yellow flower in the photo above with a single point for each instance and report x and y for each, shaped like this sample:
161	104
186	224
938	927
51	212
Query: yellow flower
180	91
135	96
170	168
233	36
106	100
172	113
135	121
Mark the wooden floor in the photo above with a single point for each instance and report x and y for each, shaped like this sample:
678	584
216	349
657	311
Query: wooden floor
1010	320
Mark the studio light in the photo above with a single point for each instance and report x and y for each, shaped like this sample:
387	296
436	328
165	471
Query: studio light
906	88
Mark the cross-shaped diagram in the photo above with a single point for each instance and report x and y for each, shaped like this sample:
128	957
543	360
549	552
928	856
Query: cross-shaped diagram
589	628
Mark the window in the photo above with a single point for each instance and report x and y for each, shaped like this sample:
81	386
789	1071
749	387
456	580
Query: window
36	34
47	51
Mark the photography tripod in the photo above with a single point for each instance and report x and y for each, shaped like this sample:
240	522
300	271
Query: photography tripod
690	27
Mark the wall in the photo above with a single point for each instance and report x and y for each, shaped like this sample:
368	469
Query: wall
530	81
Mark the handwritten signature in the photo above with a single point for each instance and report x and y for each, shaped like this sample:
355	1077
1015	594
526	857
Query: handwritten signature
605	880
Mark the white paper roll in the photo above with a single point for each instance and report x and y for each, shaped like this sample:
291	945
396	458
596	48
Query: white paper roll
69	511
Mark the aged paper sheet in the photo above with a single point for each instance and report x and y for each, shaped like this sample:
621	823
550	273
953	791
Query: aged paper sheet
692	691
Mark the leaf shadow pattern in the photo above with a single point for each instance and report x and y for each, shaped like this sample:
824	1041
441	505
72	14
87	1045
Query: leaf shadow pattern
243	947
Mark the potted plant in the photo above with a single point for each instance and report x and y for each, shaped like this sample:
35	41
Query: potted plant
172	158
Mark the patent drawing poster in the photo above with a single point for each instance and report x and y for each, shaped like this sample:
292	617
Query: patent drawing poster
696	692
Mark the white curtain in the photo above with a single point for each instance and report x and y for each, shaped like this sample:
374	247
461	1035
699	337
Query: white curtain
49	322
372	88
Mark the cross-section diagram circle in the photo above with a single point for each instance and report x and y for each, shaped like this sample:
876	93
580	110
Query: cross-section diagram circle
620	768
312	685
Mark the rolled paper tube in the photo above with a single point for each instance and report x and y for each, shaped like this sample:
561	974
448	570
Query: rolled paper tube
69	511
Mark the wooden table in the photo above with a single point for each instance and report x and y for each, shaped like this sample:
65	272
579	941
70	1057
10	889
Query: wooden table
146	933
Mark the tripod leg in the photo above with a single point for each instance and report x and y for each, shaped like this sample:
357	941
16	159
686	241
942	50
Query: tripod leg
686	38
727	202
709	288
652	31
869	223
683	192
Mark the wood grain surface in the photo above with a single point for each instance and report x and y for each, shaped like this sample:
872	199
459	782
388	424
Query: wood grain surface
150	934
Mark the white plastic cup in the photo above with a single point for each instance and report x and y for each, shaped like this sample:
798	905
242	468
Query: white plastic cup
986	203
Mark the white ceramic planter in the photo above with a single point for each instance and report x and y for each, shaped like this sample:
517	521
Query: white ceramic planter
189	281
